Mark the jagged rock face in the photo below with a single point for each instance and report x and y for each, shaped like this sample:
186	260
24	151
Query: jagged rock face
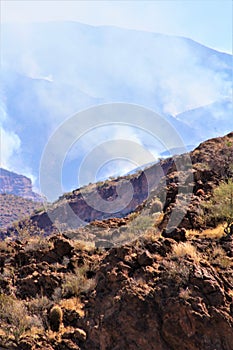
19	185
73	209
146	300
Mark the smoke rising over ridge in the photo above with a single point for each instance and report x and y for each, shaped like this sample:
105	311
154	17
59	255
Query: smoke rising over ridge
53	70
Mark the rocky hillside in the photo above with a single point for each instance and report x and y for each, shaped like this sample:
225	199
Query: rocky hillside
176	185
155	293
128	282
14	208
18	185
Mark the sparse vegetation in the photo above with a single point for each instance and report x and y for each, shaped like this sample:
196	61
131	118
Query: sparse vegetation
37	243
220	206
141	224
177	271
51	286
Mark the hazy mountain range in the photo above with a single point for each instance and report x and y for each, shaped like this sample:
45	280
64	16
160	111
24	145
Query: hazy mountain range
52	70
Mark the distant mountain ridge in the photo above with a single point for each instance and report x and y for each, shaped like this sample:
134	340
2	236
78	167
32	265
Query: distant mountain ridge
18	185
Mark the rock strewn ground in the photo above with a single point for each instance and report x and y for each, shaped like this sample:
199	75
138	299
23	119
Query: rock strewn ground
145	295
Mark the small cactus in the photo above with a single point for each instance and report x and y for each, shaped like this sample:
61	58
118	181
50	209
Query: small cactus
156	206
55	318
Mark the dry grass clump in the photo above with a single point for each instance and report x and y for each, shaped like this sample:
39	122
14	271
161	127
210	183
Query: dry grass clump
185	249
83	245
216	232
72	304
152	234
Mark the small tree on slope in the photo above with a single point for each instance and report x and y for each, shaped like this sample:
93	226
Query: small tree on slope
221	205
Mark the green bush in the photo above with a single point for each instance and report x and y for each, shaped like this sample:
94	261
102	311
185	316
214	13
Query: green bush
220	207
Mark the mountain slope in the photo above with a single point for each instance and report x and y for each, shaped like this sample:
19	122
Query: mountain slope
172	186
14	208
165	290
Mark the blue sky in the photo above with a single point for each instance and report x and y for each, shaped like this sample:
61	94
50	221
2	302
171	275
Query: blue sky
206	21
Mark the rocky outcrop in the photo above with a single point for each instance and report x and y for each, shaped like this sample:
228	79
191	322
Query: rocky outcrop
147	298
18	185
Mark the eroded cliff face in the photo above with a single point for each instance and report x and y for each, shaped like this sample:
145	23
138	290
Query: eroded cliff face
18	185
84	206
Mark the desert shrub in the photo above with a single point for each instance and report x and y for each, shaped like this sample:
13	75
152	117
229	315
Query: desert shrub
140	224
219	257
202	166
220	206
39	306
55	318
57	294
76	283
14	316
25	229
177	271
